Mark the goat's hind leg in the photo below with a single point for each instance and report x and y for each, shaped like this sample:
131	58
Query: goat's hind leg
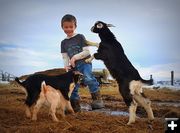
28	111
36	108
132	112
53	111
28	106
146	103
69	107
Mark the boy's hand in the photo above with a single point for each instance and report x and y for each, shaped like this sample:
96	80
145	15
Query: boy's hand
67	68
72	61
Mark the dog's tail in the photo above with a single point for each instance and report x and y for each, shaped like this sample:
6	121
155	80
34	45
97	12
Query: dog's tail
19	82
148	82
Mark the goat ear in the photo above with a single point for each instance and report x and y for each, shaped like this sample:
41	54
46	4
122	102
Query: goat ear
110	25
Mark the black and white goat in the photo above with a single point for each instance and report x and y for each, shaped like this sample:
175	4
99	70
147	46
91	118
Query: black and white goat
129	80
34	86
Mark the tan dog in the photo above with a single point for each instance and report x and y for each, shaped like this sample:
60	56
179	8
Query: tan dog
55	99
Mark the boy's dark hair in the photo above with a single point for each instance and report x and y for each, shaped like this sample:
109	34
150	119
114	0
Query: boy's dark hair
68	18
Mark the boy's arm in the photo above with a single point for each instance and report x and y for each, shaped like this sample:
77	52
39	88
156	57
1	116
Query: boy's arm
65	59
82	54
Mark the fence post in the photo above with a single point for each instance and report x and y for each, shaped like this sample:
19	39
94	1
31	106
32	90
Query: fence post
151	77
172	78
5	76
8	77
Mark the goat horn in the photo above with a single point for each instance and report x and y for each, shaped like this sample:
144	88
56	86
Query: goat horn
110	25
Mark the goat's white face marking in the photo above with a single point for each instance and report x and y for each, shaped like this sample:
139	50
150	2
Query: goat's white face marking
99	26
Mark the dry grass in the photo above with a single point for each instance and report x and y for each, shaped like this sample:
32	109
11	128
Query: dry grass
12	116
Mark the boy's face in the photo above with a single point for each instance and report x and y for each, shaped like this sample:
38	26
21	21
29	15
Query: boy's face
69	28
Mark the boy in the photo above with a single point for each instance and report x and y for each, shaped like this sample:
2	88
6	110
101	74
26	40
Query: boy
74	52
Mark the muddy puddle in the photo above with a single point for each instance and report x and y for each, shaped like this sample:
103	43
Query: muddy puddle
108	111
111	112
87	107
167	103
159	103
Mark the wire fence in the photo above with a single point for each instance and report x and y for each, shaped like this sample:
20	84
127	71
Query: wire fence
5	76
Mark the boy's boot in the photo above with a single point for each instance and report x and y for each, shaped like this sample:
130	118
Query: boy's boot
75	103
97	102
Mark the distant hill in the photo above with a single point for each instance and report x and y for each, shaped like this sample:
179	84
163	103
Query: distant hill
50	72
100	74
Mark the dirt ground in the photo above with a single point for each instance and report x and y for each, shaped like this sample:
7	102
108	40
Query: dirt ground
165	103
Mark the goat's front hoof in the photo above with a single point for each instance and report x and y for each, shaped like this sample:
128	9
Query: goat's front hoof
150	121
28	113
88	60
56	120
28	116
34	119
130	122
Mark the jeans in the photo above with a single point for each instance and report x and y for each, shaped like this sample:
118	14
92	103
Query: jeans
89	80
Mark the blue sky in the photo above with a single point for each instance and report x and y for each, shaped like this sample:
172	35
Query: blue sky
149	31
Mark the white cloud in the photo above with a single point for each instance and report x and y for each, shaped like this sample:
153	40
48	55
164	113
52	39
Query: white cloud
20	61
161	71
